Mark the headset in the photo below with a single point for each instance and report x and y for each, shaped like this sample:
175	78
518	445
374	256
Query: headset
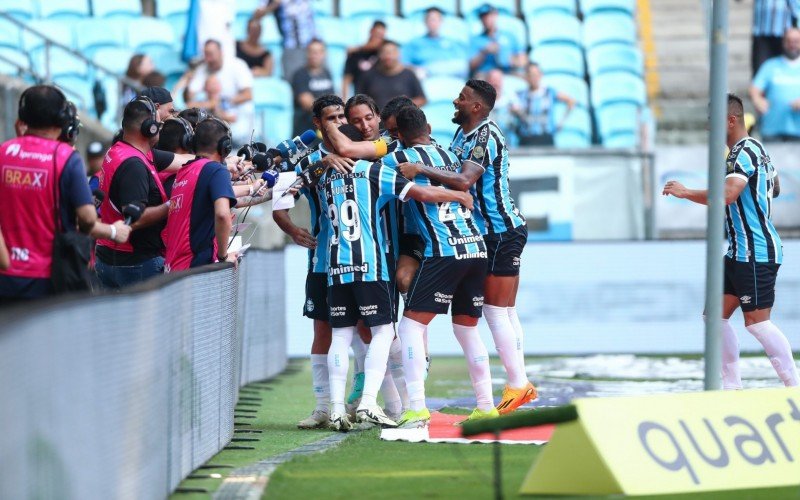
150	126
225	143
67	117
188	133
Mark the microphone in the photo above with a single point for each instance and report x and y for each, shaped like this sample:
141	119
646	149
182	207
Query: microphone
270	176
289	148
263	161
133	212
99	196
308	177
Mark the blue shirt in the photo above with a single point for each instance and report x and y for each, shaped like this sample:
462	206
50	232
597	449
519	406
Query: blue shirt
447	228
296	23
213	183
320	224
772	17
538	106
500	60
486	146
357	249
779	79
437	55
751	235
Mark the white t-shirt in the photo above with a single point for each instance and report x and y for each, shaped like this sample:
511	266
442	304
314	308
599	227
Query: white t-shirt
215	22
234	76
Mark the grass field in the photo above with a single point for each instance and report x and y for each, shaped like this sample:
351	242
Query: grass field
362	466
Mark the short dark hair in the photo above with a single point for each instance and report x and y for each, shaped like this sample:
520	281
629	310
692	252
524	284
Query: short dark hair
390	42
430	10
170	138
215	42
358	100
378	24
154	79
207	134
412	122
351	132
317	40
735	105
394	105
484	90
193	115
134	114
324	101
40	107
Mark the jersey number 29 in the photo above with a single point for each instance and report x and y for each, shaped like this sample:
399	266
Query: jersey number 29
447	215
346	222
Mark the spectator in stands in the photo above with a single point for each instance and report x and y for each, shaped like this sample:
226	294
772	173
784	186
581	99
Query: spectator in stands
494	48
214	21
95	152
501	113
776	92
236	83
362	58
250	50
535	110
139	66
771	19
389	115
434	54
161	97
389	78
44	180
312	81
296	24
154	79
215	104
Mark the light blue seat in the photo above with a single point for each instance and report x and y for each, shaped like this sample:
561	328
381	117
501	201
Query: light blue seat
330	30
9	35
335	58
511	25
167	8
559	58
51	28
417	8
362	8
468	7
455	28
13	61
440	118
126	9
111	88
589	7
64	9
615	57
245	8
608	27
442	90
113	58
322	8
616	119
277	67
270	34
513	85
168	61
61	63
571	85
554	27
398	29
94	34
23	10
147	33
624	140
616	87
273	102
571	139
578	121
532	7
179	24
78	90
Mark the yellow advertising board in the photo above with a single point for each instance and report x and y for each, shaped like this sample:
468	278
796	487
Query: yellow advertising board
673	443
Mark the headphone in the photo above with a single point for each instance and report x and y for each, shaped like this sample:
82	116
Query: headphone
67	117
224	144
150	125
188	133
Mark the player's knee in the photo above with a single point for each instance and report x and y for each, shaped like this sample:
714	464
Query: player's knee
403	277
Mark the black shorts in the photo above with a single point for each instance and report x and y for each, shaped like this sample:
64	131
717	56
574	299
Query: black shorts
316	306
372	301
412	245
753	283
505	249
440	281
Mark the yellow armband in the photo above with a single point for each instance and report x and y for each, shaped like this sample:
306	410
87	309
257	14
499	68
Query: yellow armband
381	148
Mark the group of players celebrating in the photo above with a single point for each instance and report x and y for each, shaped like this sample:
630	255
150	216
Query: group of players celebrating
395	214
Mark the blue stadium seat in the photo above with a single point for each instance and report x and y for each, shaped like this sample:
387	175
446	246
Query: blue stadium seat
168	61
571	139
532	7
64	9
361	8
589	7
442	89
514	84
416	8
245	8
147	33
608	27
456	29
398	29
513	26
125	9
13	61
22	10
571	85
110	120
9	35
78	90
559	58
273	102
270	34
179	24
578	122
323	8
624	140
468	7
61	63
620	118
554	27
615	57
93	34
113	58
330	30
277	67
167	8
616	87
51	28
336	56
440	118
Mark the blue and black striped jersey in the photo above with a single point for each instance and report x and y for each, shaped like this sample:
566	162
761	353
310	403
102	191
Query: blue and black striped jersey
486	146
773	17
751	235
317	257
354	201
448	229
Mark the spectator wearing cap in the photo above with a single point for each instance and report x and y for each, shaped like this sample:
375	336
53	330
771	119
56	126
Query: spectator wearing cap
362	58
296	24
389	78
434	54
163	101
494	48
312	81
95	152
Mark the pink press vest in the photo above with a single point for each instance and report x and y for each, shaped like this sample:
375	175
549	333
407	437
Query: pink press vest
109	214
177	237
28	207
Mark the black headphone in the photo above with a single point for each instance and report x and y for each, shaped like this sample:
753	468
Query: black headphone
150	126
188	133
67	117
225	143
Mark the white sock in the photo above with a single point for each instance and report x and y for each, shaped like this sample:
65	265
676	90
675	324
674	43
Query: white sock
505	341
338	363
391	398
514	319
478	364
375	363
396	368
778	351
412	335
731	379
359	353
319	380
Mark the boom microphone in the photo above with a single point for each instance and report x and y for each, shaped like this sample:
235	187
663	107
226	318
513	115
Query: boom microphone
290	148
133	212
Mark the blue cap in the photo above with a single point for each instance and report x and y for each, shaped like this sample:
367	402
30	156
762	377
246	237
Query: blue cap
486	9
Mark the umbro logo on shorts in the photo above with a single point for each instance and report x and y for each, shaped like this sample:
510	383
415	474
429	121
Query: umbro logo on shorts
310	305
745	299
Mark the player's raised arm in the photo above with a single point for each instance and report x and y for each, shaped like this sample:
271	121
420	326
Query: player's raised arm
461	181
429	194
365	150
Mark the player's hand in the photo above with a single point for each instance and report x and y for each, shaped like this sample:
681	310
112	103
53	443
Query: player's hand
466	199
235	165
675	189
123	232
303	238
409	170
492	48
761	105
259	188
293	191
339	163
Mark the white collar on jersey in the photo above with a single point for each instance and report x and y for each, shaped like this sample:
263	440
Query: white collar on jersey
477	127
322	149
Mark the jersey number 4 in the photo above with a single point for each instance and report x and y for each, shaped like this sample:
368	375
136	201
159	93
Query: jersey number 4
345	221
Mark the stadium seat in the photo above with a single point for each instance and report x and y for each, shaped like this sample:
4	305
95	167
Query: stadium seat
398	29
616	87
330	30
442	89
617	118
168	61
336	56
578	121
274	106
608	27
416	8
126	9
270	34
514	84
245	8
110	118
9	34
179	24
323	8
93	34
615	57
532	7
454	28
361	8
559	58
64	9
13	61
626	140
114	59
51	28
554	27
78	90
589	7
571	139
468	7
60	63
440	118
511	25
571	85
148	33
22	10
167	8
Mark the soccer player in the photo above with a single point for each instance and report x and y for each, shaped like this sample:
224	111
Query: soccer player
481	147
359	277
754	249
452	272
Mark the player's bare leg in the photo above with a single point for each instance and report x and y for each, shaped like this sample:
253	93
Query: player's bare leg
319	376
